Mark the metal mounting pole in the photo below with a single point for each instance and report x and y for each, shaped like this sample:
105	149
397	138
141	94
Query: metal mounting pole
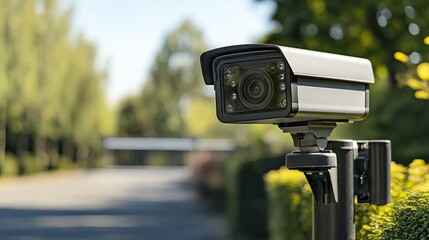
337	170
335	220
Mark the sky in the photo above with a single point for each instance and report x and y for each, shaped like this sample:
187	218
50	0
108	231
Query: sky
129	33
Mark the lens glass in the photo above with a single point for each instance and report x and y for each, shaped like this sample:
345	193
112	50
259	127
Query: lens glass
254	86
256	89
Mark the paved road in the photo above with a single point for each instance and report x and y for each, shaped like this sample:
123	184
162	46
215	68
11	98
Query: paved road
114	203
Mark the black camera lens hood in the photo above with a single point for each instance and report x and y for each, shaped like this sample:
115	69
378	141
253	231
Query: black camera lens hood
208	57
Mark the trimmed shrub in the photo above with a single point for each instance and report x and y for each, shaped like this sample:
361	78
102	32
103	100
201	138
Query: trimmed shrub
290	217
32	164
10	166
407	218
246	198
65	162
293	220
405	181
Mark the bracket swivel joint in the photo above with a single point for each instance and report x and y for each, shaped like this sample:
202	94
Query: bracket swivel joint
310	137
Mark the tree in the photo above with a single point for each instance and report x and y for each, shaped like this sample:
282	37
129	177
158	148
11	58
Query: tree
132	118
51	91
4	5
174	79
87	111
51	43
21	71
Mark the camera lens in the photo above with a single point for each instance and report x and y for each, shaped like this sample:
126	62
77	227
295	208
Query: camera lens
256	89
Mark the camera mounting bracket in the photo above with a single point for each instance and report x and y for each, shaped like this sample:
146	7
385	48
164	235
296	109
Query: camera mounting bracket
318	165
320	169
311	136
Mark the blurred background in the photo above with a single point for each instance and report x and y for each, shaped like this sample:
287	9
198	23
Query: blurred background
108	132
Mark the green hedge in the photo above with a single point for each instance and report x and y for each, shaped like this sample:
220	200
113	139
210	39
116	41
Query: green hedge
10	166
290	202
246	199
407	218
30	165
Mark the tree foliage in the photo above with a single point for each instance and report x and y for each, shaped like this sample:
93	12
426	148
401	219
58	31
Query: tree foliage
175	79
51	91
417	76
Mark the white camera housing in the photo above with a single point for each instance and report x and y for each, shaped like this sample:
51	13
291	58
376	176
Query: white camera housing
302	86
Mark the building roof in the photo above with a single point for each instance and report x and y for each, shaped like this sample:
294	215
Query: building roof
169	144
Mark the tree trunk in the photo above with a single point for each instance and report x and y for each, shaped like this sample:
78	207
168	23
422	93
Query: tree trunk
53	155
392	73
21	149
69	150
2	144
40	149
82	156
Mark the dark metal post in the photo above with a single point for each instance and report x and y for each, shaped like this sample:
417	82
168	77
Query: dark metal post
379	174
335	221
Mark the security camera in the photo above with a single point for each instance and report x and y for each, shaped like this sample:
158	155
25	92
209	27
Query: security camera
263	83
